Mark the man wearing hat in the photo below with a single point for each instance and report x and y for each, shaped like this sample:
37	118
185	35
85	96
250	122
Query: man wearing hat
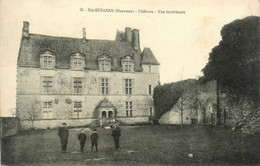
116	133
64	135
94	139
82	139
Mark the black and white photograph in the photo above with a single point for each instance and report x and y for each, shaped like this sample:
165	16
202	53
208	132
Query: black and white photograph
173	82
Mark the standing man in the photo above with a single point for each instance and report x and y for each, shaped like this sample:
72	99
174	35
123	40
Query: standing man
64	135
82	139
116	133
94	139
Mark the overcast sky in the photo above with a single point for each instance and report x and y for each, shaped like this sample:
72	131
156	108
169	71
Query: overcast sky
180	42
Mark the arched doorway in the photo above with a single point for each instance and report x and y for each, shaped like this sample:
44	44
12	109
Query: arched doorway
110	114
104	114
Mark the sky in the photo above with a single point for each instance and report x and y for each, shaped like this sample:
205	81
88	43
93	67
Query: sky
180	42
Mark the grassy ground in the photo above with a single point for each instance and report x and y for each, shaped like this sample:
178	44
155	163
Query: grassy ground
144	145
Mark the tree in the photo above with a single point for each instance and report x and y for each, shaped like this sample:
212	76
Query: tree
234	63
33	112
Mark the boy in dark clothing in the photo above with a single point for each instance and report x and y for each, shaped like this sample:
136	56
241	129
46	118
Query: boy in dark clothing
82	139
116	133
64	135
94	139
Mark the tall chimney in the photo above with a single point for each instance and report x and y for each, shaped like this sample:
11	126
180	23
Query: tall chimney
84	34
25	29
135	39
128	34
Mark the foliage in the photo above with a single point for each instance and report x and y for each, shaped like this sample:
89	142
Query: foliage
234	63
167	95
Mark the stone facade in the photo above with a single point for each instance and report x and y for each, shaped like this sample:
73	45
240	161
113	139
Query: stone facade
50	94
203	113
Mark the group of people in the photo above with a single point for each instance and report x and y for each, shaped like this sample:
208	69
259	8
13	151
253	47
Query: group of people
82	137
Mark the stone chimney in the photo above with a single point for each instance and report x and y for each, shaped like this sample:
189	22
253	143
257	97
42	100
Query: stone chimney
135	39
25	29
84	34
128	34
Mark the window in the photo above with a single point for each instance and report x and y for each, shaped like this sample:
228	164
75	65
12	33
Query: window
105	65
47	84
78	85
151	111
104	85
104	62
47	110
77	109
128	64
77	61
47	60
149	68
128	86
150	89
129	108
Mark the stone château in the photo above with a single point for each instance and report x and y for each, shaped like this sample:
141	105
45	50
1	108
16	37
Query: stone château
82	81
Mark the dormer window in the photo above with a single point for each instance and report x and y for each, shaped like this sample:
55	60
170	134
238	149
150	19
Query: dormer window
77	61
104	63
47	60
128	64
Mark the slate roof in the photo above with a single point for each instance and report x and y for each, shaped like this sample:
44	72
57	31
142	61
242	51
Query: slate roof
148	57
63	47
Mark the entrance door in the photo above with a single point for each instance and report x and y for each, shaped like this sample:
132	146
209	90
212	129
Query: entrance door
104	114
110	114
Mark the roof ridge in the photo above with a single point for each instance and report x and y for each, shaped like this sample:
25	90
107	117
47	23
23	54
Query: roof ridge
62	37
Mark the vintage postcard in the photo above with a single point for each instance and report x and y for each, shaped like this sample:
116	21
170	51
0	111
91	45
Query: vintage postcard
129	82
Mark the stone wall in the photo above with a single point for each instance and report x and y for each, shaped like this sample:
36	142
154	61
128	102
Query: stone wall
9	126
174	117
204	113
133	120
30	96
54	123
